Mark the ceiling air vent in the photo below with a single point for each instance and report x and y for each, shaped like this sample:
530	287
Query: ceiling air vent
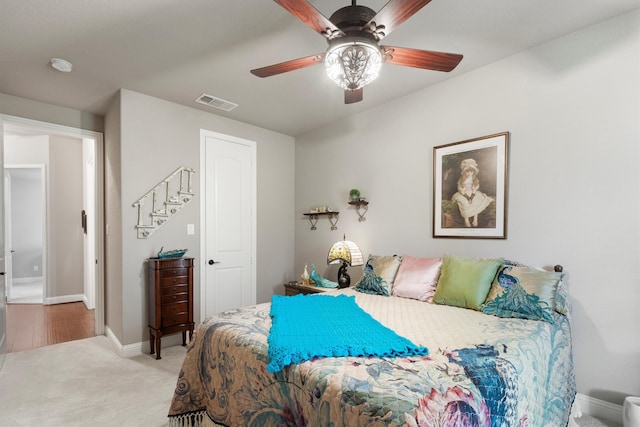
214	102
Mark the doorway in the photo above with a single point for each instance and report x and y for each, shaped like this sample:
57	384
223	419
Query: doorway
25	230
84	222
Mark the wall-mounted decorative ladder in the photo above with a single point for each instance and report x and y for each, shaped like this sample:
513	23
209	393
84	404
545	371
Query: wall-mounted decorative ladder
167	199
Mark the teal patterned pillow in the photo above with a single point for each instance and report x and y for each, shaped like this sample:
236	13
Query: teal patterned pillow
561	302
523	292
379	274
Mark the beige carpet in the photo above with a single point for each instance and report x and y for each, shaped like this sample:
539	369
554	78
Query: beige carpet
85	383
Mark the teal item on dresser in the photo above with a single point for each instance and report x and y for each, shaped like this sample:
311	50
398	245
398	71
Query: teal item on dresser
305	327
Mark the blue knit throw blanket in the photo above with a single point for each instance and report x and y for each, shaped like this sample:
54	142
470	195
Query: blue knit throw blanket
309	326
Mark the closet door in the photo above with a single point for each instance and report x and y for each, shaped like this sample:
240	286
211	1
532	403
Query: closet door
228	260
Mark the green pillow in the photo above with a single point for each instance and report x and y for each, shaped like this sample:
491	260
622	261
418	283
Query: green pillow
465	282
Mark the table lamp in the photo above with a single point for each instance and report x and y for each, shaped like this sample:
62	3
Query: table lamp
350	255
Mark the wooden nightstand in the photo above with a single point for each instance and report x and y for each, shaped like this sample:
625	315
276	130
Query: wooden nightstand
295	288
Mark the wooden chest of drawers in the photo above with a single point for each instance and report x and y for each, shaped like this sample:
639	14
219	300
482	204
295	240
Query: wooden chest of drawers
170	282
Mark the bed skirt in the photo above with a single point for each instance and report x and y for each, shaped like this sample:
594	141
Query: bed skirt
194	419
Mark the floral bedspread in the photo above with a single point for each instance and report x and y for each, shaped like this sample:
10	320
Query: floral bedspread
481	371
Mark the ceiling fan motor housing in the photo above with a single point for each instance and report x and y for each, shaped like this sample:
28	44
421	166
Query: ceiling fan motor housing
352	19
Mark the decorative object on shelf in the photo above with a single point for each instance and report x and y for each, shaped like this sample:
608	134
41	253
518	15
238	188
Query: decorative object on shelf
350	255
304	279
175	253
331	215
354	194
320	281
470	188
167	199
362	206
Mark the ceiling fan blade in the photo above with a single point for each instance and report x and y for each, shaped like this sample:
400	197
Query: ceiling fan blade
283	67
308	14
351	96
426	59
394	13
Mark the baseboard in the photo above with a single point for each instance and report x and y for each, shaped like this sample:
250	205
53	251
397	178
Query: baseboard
136	349
599	408
23	280
125	351
63	299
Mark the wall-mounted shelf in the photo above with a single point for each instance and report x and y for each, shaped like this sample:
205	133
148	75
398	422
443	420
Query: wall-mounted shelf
313	218
163	201
362	206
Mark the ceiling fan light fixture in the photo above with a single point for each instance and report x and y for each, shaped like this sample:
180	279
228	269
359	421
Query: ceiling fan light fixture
353	63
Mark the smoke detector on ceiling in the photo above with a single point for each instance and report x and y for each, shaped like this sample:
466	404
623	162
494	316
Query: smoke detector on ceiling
214	102
61	65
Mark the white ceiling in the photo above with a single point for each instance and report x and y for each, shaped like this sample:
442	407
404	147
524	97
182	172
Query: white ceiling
178	49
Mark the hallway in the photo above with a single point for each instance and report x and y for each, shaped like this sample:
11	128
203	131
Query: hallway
36	325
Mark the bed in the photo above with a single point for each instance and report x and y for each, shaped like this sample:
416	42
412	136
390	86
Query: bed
483	368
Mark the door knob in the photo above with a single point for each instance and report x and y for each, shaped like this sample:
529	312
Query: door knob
211	262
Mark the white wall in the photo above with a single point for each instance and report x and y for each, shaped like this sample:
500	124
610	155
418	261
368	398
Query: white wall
113	288
49	113
572	107
155	138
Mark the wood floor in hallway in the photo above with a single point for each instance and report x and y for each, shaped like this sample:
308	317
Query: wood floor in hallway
36	325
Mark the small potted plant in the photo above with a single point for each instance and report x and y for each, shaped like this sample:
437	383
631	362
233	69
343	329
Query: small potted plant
354	193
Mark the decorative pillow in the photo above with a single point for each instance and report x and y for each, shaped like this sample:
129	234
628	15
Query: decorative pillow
465	282
379	274
523	292
561	302
417	278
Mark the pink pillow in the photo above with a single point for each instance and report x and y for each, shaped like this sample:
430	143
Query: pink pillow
417	278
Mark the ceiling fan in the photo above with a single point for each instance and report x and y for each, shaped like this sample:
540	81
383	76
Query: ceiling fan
354	56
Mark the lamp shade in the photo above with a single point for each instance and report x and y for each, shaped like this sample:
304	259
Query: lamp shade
354	63
345	251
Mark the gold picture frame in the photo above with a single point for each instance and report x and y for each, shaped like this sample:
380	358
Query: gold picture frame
470	188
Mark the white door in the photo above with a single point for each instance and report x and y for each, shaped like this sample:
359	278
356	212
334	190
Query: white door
89	229
3	294
229	226
8	260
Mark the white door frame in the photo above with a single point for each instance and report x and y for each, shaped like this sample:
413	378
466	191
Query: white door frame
98	141
203	204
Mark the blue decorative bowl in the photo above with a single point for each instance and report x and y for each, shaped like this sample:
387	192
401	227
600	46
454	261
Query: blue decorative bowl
176	253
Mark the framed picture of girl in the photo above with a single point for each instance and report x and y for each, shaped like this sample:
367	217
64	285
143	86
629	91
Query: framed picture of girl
470	188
